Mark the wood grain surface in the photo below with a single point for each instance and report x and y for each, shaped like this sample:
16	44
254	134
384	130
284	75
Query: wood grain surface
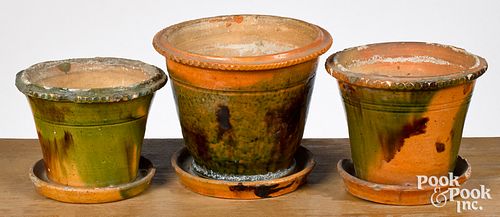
322	195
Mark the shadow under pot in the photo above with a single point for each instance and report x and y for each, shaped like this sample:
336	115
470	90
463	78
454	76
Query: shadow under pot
405	104
90	116
242	85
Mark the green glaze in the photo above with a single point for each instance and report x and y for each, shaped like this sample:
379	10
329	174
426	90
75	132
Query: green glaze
405	104
90	116
380	120
243	133
242	90
95	144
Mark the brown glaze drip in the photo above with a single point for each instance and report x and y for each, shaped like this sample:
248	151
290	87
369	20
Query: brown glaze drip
286	123
393	142
55	149
68	141
45	149
262	191
223	117
440	147
199	139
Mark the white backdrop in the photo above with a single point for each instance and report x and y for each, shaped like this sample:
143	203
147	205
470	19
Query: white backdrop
36	31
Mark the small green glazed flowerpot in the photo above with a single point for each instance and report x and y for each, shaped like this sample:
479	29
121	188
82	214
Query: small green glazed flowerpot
90	116
242	85
406	104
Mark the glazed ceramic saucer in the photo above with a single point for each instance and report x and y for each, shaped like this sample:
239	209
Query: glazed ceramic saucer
71	194
396	194
182	163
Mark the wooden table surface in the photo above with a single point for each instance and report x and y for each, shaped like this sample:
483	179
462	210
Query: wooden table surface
322	195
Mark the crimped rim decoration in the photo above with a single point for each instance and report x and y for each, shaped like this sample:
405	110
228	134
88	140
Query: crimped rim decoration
295	56
156	80
341	73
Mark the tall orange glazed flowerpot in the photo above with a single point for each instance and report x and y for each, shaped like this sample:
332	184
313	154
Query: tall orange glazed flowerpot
242	85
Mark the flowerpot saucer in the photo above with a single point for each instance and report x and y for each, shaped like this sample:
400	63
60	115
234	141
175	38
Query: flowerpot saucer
72	194
182	163
396	194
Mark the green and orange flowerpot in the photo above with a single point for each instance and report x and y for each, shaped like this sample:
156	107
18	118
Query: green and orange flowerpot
242	85
90	116
405	104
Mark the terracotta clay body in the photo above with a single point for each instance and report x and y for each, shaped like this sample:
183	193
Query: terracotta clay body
90	116
242	86
405	105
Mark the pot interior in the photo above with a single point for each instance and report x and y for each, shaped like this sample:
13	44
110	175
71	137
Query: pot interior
406	60
241	36
87	75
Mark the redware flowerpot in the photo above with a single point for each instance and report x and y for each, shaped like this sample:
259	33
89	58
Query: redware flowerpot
90	116
406	104
242	85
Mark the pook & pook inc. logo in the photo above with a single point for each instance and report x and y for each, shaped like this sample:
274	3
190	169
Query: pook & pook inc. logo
470	197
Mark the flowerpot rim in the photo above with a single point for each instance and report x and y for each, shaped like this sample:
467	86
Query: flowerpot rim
28	80
401	82
312	50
